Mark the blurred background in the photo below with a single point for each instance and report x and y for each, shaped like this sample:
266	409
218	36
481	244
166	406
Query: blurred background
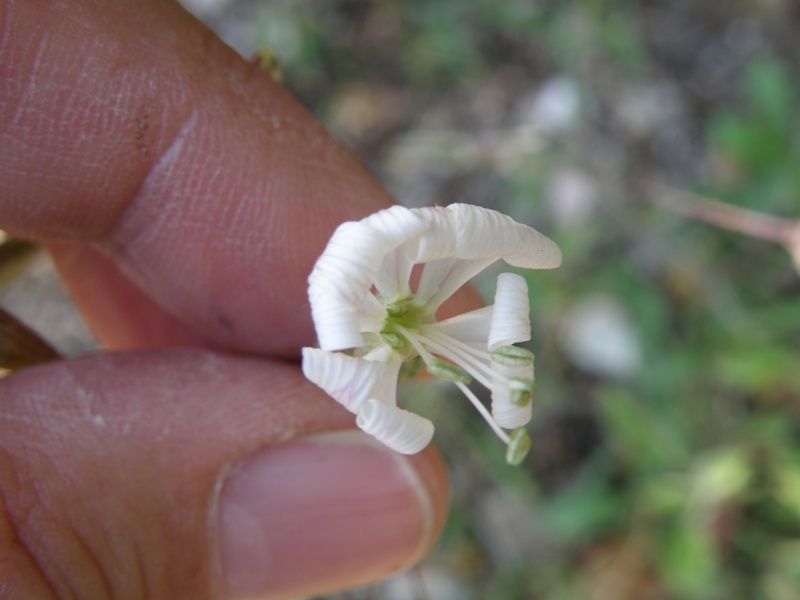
666	443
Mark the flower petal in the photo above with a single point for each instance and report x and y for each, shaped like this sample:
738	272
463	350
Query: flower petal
396	225
534	251
463	240
511	321
346	379
399	429
511	416
442	277
472	232
505	412
439	239
386	387
336	321
341	278
392	279
472	326
399	226
345	272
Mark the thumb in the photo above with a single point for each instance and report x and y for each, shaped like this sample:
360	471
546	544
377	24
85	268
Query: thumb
190	474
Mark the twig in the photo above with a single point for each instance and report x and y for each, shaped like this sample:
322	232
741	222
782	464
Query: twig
750	222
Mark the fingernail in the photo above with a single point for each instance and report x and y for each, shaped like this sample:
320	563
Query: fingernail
319	514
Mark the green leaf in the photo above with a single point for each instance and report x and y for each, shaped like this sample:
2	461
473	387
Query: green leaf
688	560
639	436
747	140
786	489
587	508
769	88
720	475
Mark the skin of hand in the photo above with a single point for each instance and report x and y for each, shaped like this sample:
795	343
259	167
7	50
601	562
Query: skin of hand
184	197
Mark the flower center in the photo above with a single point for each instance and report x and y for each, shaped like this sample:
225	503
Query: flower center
403	316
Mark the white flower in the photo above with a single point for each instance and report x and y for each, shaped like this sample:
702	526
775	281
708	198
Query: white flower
369	321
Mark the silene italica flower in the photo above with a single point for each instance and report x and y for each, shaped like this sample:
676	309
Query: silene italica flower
370	322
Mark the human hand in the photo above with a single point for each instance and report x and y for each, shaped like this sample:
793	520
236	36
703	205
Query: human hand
184	197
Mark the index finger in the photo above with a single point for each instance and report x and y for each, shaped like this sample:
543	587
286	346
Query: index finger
203	189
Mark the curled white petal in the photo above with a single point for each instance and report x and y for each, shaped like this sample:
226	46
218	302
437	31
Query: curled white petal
506	372
348	380
340	280
381	353
399	226
345	272
535	251
386	387
349	261
505	412
472	232
511	322
439	239
396	225
399	429
516	243
462	240
484	232
511	416
336	322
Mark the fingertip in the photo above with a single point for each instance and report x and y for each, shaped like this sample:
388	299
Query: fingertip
326	513
129	127
430	468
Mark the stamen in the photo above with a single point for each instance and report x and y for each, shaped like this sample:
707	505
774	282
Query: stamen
444	346
521	390
518	446
487	416
447	370
415	343
512	356
434	334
